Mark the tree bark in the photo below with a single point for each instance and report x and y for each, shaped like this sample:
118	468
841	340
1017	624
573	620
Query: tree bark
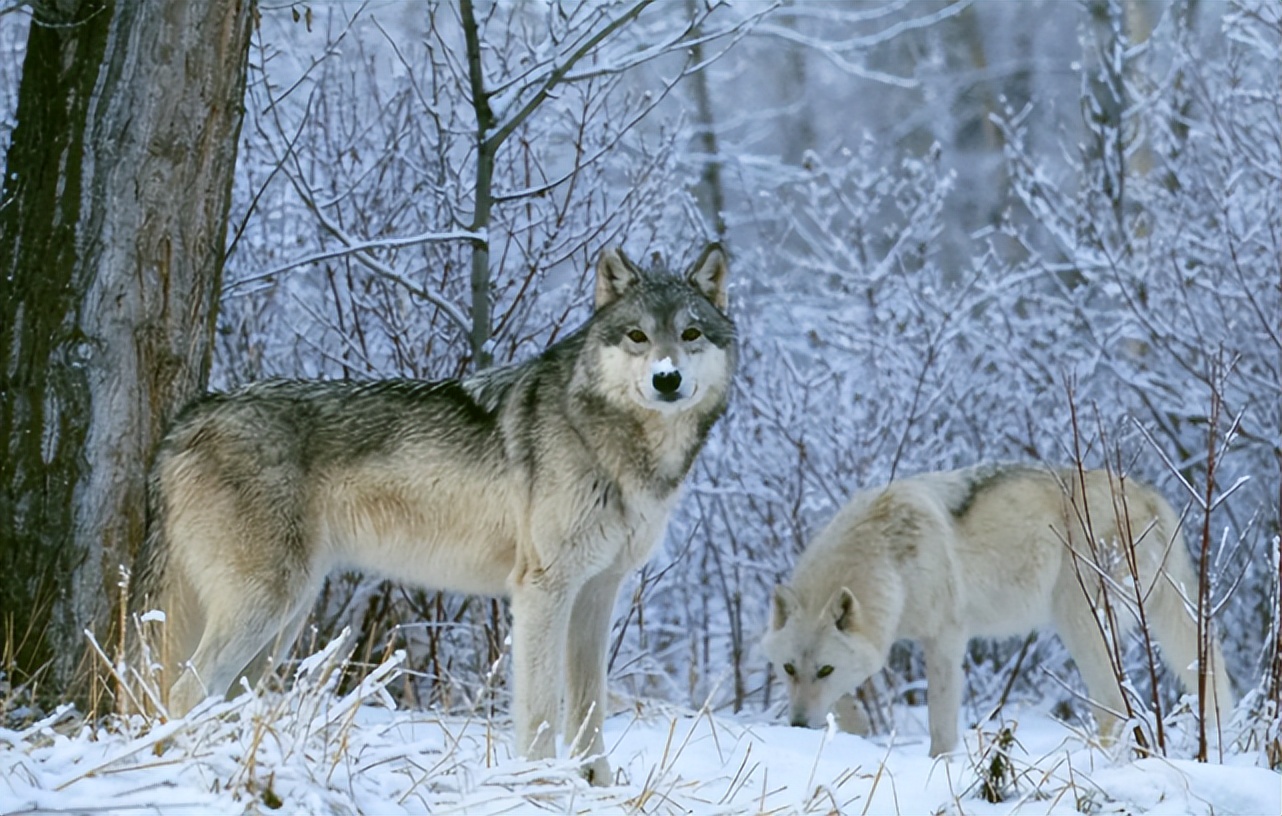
486	148
112	230
710	192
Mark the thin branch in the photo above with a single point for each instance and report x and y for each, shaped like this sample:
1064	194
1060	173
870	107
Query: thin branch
352	246
554	78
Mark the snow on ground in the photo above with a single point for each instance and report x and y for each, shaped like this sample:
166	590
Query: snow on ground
311	751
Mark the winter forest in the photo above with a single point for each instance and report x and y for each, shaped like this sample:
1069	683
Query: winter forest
1046	232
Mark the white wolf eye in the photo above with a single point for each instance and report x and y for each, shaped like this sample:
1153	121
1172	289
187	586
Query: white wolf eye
790	669
824	671
691	334
637	336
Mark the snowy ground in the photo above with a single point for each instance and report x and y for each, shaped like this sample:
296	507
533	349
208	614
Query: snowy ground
311	751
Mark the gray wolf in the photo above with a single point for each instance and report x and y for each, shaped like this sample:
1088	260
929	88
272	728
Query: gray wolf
547	482
991	551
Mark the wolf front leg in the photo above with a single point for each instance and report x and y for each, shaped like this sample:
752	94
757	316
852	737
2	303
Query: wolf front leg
586	671
943	655
540	628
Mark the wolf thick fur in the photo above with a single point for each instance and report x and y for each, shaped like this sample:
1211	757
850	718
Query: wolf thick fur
546	481
987	551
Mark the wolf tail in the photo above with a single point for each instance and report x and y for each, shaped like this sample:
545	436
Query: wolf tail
159	621
151	561
1174	614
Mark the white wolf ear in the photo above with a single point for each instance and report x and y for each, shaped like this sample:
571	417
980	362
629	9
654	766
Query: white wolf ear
845	610
614	274
708	275
782	606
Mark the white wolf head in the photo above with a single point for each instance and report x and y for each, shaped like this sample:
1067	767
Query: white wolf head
822	656
666	343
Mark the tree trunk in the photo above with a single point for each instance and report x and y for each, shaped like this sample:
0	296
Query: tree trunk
709	191
486	147
112	228
798	127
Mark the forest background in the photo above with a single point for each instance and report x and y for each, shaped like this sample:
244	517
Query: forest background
1047	232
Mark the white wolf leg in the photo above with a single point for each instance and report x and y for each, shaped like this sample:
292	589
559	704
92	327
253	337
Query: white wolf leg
540	628
850	715
943	688
586	671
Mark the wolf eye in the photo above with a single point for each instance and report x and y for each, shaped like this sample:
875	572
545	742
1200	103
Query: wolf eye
691	334
824	671
637	336
790	669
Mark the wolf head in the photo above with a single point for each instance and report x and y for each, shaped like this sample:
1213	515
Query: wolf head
665	342
822	657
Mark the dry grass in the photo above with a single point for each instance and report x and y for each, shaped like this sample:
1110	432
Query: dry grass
321	746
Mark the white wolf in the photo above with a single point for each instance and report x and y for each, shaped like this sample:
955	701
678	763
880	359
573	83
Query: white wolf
547	481
986	551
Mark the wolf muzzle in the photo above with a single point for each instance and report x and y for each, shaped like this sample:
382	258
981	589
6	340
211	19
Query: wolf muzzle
667	383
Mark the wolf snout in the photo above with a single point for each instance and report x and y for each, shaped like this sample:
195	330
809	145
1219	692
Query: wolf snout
667	383
800	722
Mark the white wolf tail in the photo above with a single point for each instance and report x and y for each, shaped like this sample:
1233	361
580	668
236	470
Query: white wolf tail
1173	615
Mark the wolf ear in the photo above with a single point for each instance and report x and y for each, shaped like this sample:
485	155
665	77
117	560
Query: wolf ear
708	275
845	610
782	606
614	274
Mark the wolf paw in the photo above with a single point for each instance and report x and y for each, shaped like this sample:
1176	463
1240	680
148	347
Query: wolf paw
850	716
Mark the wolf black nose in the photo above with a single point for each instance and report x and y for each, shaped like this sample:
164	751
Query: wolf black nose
798	722
667	382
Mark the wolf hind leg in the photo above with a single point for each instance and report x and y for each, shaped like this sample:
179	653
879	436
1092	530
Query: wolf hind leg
236	631
272	656
943	654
